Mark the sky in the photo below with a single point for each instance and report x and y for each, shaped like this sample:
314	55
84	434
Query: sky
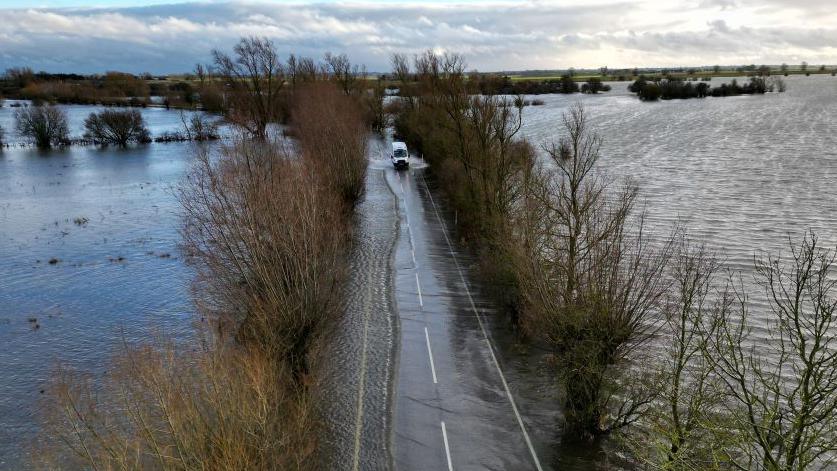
172	36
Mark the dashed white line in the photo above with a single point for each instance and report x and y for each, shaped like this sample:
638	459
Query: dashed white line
430	354
447	447
418	285
487	340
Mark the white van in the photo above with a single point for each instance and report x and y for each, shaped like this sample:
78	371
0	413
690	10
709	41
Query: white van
400	156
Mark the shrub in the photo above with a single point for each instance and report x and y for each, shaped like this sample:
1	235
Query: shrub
211	100
567	85
46	125
266	240
116	127
595	85
650	92
332	136
164	407
200	128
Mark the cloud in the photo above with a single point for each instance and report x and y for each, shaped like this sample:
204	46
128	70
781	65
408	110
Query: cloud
496	36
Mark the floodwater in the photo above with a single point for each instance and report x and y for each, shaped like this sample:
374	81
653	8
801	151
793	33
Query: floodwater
740	172
88	258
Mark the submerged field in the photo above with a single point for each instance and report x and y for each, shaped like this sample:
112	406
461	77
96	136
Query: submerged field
89	237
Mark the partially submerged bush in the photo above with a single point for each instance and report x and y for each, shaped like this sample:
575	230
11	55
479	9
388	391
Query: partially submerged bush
113	127
595	85
668	88
200	128
45	125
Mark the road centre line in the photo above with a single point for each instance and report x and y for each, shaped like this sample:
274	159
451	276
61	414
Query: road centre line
430	354
418	285
485	334
447	447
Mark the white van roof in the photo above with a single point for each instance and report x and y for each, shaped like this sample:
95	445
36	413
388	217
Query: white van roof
399	145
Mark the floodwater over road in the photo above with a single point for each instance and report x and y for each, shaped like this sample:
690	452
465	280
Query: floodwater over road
88	257
739	172
358	369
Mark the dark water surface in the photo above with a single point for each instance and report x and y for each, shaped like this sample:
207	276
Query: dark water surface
116	271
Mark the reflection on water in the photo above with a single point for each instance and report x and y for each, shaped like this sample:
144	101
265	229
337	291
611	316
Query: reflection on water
88	256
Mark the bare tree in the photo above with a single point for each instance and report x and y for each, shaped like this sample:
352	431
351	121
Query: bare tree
591	282
679	432
782	395
202	74
341	70
116	127
46	125
254	78
400	68
266	240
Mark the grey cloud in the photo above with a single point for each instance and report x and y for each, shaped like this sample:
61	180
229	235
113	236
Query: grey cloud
532	34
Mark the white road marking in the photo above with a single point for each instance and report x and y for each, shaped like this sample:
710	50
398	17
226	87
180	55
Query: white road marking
418	285
485	334
447	447
413	253
430	354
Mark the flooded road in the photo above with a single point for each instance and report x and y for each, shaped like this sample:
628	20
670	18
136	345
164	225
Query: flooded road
457	405
359	355
740	172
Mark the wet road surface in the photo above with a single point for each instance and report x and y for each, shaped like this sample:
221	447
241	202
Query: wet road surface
455	408
359	354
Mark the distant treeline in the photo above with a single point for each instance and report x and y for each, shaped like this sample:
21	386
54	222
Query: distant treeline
651	89
112	88
494	84
487	84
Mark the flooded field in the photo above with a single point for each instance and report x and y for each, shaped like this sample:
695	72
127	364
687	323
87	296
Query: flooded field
88	237
88	258
740	173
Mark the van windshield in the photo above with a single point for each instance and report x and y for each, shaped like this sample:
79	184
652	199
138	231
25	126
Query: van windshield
400	152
